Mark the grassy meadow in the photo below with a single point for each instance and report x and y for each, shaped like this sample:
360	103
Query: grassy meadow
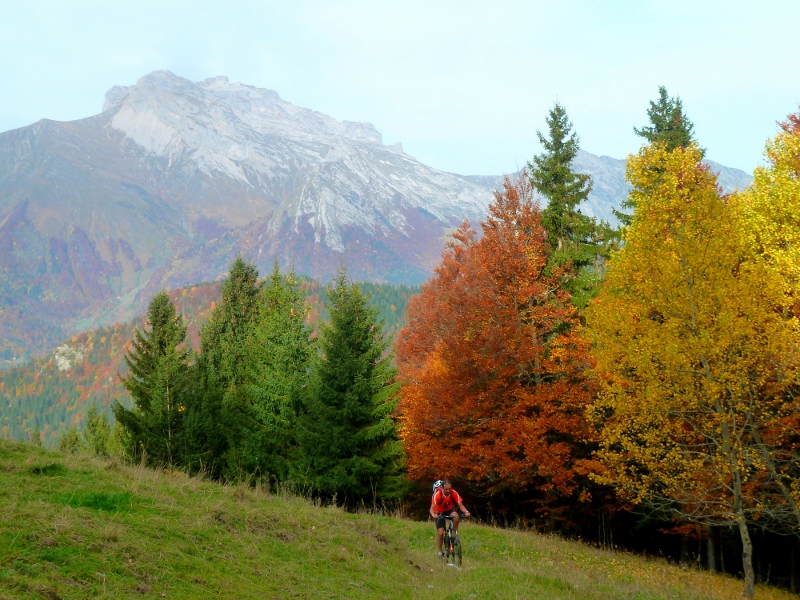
76	527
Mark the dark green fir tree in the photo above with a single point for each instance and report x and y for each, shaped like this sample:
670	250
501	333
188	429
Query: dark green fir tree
219	419
349	446
669	126
158	369
36	437
97	432
577	240
278	364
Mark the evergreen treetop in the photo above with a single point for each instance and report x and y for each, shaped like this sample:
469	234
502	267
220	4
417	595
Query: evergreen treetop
552	176
218	416
668	126
167	332
668	123
226	334
576	240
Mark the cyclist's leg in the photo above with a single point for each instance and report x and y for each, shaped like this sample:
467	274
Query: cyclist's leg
456	519
440	523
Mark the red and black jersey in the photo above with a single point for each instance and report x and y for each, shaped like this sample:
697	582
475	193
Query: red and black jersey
445	504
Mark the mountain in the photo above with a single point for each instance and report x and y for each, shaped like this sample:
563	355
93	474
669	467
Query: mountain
174	178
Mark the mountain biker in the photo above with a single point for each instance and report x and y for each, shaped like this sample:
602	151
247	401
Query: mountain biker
444	502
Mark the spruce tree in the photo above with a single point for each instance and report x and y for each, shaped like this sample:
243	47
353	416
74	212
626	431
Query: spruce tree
576	239
668	124
70	442
349	444
670	127
219	418
96	432
118	443
36	437
278	364
158	365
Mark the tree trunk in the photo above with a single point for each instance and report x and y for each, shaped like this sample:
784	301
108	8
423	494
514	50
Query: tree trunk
759	567
710	550
792	584
722	556
684	550
747	559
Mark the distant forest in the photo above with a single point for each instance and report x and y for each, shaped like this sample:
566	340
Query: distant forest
40	395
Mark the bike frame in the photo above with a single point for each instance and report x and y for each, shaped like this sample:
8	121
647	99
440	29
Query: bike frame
451	543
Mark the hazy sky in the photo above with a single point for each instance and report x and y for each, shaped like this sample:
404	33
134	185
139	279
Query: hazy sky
464	85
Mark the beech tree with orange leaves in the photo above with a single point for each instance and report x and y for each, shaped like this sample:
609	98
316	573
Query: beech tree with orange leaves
492	363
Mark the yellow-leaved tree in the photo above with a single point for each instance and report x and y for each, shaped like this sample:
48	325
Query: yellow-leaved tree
771	205
695	357
770	210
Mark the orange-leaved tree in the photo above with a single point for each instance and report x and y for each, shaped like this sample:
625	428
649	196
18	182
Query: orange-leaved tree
492	363
695	354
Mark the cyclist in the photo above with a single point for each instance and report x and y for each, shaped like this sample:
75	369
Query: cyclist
444	502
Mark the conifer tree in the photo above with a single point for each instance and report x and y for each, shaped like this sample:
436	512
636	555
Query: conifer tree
575	238
97	432
278	364
218	414
36	437
157	380
348	438
70	442
670	127
117	442
668	124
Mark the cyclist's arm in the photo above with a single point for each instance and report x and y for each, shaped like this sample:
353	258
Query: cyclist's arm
463	510
433	513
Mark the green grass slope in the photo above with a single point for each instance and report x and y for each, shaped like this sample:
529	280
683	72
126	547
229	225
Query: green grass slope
77	527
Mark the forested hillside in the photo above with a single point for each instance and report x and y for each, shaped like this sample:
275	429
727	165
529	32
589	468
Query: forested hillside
54	393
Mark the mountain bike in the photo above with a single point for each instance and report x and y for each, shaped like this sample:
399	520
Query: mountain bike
451	544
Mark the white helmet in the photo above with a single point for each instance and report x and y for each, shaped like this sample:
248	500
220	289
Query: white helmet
437	484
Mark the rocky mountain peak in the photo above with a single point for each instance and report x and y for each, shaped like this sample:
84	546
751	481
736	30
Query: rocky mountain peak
313	169
175	178
226	119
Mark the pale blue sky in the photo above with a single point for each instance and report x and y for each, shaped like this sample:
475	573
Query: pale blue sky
464	85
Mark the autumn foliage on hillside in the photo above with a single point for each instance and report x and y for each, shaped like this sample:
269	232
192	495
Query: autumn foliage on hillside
54	392
493	363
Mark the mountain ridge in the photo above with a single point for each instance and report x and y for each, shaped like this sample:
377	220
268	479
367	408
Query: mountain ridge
174	178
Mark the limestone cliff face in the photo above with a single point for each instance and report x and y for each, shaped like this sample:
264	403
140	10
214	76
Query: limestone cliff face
175	178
